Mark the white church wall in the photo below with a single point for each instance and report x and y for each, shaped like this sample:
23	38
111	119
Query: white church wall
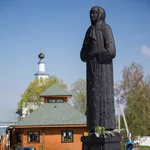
26	109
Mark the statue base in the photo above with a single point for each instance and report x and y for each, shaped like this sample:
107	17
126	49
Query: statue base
108	142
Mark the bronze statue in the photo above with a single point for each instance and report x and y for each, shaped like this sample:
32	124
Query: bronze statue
98	52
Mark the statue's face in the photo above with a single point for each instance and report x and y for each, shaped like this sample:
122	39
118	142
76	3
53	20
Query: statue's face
94	15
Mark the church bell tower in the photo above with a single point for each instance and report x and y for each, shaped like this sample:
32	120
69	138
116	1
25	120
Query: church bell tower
41	68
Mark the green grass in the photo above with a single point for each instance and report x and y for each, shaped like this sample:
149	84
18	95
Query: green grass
144	146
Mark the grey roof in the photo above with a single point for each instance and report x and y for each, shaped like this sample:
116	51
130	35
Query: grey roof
55	90
50	114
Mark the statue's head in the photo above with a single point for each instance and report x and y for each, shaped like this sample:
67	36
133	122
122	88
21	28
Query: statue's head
97	14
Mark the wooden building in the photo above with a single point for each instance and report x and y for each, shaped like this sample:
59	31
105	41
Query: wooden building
55	125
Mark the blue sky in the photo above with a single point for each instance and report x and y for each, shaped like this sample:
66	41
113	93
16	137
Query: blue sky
59	28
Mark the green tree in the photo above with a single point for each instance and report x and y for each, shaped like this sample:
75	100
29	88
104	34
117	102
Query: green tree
133	77
137	94
33	91
138	111
78	90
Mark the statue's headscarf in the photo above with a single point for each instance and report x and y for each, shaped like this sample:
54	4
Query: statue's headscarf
101	13
100	20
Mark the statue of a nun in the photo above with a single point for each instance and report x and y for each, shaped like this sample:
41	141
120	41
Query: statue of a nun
98	52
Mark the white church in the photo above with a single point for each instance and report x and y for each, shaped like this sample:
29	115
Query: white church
40	74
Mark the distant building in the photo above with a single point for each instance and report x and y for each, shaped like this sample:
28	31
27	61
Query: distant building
143	141
55	125
40	74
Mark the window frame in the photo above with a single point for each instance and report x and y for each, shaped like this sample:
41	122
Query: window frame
33	132
59	100
64	131
55	100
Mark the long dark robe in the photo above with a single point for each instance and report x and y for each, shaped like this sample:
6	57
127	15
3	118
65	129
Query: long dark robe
99	71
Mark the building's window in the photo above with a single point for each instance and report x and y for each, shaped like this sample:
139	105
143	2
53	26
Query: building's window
33	137
18	138
51	100
67	136
57	100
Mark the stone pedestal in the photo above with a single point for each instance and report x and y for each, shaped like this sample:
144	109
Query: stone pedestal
110	142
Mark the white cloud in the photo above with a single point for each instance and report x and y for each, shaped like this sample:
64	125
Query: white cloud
145	50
